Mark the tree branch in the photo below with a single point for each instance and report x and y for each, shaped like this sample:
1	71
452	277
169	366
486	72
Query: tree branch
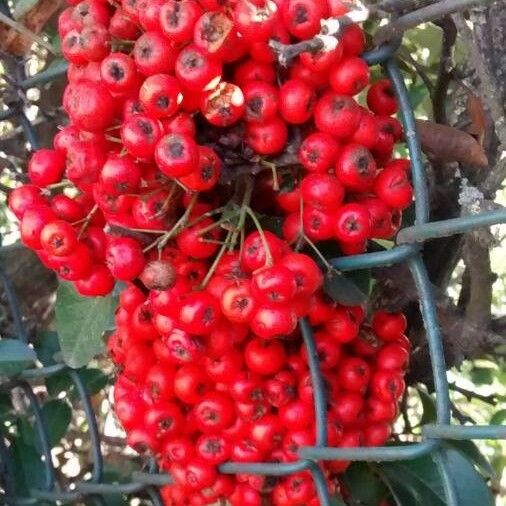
444	71
435	11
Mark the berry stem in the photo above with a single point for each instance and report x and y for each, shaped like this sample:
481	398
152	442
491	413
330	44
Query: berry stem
179	225
216	261
248	192
269	261
318	252
87	221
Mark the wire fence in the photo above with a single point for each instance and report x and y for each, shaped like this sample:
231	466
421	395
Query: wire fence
408	249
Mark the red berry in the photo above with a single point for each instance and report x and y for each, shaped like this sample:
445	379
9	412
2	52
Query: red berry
352	223
381	98
338	115
296	101
264	357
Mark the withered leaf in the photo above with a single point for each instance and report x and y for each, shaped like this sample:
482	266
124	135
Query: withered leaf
446	144
477	116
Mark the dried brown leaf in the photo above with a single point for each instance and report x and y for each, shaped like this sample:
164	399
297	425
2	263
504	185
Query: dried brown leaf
447	144
477	116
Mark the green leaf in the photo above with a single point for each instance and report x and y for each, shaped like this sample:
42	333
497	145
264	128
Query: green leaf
15	356
414	482
337	501
482	375
363	484
47	347
469	484
350	290
58	383
428	406
418	481
57	415
469	450
27	467
81	321
498	418
94	379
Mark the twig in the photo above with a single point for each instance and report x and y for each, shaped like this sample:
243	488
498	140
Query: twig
420	69
470	394
444	75
435	11
27	33
461	417
327	39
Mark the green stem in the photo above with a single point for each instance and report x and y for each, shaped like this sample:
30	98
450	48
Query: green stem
268	255
216	261
318	252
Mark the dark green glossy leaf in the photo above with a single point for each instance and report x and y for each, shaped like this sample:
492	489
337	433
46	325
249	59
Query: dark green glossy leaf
364	486
58	383
81	322
414	482
27	467
350	289
94	379
469	450
418	482
57	414
15	356
47	347
469	484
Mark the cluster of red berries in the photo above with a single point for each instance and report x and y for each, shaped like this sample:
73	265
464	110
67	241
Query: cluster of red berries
166	98
153	71
201	385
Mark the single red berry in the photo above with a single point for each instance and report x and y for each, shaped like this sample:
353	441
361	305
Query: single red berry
160	95
296	101
264	357
274	285
120	174
261	101
338	115
46	167
58	238
392	186
154	54
352	223
356	168
125	258
318	152
389	326
269	322
255	22
381	98
177	155
25	197
199	313
267	138
350	77
140	135
323	191
302	17
177	19
196	70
